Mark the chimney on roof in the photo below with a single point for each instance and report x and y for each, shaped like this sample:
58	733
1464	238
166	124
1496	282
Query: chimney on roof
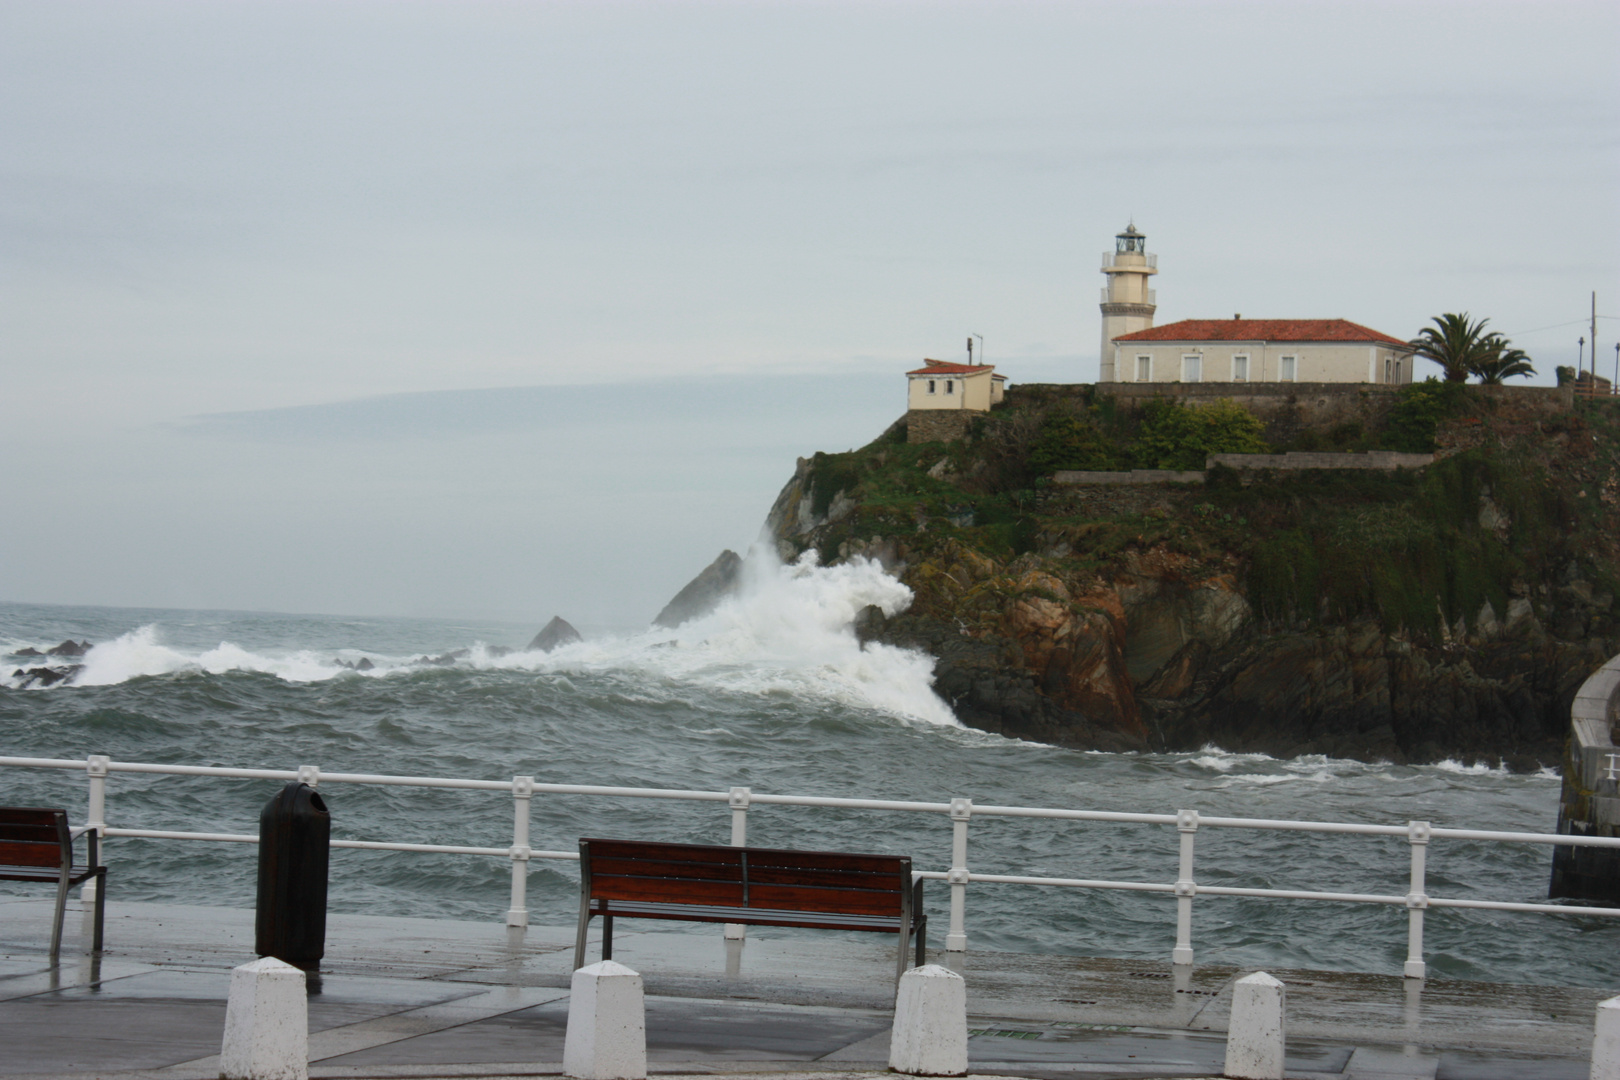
1236	317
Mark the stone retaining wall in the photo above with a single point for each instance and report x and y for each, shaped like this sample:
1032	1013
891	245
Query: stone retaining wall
1135	476
1385	460
1589	804
1287	409
937	425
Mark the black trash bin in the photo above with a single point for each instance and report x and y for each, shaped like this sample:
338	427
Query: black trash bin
295	833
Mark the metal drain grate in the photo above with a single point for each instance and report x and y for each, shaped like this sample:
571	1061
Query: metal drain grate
1004	1033
1149	974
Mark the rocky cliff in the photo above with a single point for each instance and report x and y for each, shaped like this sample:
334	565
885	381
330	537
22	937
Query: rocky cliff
1403	616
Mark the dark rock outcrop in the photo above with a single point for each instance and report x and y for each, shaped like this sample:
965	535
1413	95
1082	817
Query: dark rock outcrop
28	651
69	648
45	676
554	633
703	593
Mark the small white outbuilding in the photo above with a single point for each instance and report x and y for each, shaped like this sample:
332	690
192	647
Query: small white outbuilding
969	387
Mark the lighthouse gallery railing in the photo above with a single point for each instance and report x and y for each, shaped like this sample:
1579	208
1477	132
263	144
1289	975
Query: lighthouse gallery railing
522	789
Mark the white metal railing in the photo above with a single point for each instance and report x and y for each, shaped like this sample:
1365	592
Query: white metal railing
959	811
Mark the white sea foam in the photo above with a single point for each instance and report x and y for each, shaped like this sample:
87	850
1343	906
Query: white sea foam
787	632
140	652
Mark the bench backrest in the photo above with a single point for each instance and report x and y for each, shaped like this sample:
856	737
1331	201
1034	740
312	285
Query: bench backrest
766	879
34	836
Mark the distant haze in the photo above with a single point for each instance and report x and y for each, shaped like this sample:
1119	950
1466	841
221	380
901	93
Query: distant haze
268	269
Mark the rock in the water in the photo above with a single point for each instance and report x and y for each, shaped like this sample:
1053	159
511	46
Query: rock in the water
554	633
69	648
29	651
704	592
364	664
45	676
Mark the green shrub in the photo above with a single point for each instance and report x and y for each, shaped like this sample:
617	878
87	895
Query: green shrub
830	474
1177	436
1420	408
1068	442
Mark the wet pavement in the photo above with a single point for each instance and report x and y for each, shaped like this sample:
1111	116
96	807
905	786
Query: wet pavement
426	998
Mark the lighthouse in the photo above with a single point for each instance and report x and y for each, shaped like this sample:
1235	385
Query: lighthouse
1127	302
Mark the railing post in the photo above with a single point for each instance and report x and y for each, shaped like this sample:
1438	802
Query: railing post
310	774
1417	834
957	877
95	816
739	838
522	793
1186	888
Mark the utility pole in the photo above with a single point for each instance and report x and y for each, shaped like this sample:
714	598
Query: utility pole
1594	339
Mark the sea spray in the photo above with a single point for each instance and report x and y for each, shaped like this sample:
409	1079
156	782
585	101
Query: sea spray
788	631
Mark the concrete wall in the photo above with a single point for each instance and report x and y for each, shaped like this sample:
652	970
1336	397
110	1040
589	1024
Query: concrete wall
1325	362
1589	804
937	425
1385	460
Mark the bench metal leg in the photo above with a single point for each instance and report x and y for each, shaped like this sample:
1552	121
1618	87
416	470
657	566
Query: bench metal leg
584	927
921	918
607	937
101	907
61	909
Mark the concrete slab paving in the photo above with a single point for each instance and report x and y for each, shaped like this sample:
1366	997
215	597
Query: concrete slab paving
406	998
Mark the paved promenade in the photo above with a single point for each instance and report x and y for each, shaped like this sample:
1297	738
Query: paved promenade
417	998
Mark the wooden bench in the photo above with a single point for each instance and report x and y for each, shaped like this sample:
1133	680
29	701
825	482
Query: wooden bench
753	886
37	845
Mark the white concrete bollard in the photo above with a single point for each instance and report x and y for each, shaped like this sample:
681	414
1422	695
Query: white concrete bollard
930	1023
266	1023
1254	1039
1606	1041
607	1024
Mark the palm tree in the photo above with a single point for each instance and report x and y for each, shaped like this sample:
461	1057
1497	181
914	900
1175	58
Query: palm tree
1455	343
1501	362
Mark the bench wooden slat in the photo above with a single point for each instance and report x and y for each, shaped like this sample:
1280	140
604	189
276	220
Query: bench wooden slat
824	860
857	879
815	920
43	816
670	868
651	849
794	898
30	853
670	889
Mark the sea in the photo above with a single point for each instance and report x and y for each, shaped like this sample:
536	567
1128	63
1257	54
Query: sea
771	691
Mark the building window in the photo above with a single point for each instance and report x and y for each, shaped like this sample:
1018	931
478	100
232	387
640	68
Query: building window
950	386
1388	369
1192	369
1144	369
1285	368
1240	369
930	386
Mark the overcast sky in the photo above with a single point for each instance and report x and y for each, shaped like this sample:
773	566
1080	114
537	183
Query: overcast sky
728	226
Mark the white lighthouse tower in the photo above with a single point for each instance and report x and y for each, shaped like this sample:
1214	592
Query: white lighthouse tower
1127	302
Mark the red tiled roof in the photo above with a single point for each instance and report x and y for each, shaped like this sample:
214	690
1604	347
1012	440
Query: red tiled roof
935	367
1261	330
